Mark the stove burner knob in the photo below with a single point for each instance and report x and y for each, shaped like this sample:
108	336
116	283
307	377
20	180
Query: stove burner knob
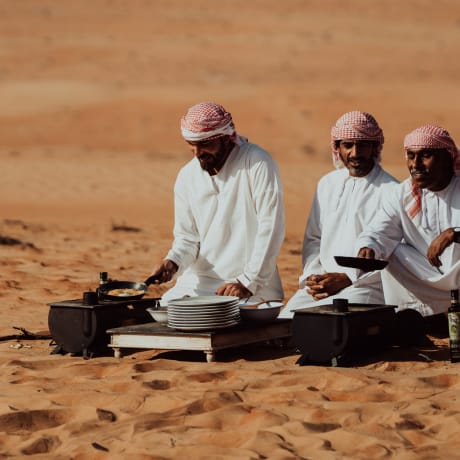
340	305
90	298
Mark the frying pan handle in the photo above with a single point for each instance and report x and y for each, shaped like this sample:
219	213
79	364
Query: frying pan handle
153	279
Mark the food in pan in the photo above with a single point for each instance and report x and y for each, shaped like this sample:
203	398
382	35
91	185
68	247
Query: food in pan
125	292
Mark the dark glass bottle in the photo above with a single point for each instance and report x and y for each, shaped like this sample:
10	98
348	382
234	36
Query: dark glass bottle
453	316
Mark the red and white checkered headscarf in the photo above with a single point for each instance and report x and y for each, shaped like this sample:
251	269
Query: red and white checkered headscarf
432	137
428	137
205	121
355	125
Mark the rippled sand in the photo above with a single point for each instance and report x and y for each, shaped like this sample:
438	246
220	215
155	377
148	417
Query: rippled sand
91	93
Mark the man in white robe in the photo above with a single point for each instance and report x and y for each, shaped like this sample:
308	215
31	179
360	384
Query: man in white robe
424	210
229	214
345	202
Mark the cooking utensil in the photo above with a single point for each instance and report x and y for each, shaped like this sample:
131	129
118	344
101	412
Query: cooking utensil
111	285
256	305
328	336
80	325
159	314
262	315
139	286
151	280
367	265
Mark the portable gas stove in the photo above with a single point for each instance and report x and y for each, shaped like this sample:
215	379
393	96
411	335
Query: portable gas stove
80	325
337	334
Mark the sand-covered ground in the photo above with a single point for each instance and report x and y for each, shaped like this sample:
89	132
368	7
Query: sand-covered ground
91	93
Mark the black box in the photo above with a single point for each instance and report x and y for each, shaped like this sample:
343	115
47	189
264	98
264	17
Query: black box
329	335
80	328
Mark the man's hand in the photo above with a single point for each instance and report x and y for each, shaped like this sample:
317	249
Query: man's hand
163	272
438	245
366	253
322	286
234	289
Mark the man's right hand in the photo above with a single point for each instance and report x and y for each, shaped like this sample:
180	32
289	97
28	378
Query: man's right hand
438	245
234	289
327	284
366	253
163	272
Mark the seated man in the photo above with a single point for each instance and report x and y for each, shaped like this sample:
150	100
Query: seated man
345	201
229	214
424	210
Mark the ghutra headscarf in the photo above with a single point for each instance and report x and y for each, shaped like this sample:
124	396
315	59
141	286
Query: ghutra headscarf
207	121
355	125
427	137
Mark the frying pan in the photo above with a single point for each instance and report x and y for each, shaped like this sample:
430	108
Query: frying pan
367	265
105	288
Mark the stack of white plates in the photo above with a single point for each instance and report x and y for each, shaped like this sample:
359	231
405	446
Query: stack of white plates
203	313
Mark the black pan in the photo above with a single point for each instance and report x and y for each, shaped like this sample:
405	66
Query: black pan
366	265
105	288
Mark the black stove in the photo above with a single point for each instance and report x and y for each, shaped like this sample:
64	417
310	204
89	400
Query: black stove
337	334
79	326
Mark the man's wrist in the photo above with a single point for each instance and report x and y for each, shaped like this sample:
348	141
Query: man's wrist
247	283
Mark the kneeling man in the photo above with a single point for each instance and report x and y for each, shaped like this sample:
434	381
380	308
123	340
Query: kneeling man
229	214
424	211
346	200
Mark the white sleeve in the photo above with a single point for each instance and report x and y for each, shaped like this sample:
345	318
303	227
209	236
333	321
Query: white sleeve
268	202
311	243
186	243
385	231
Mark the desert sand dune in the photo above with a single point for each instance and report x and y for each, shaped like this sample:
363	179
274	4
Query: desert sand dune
91	93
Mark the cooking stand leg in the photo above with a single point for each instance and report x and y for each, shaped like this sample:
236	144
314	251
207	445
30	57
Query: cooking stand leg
210	356
117	353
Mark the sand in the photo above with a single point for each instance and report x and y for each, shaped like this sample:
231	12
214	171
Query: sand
91	95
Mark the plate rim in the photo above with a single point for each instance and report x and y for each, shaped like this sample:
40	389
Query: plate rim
198	328
219	300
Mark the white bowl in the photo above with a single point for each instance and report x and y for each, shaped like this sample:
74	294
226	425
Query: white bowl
160	314
264	313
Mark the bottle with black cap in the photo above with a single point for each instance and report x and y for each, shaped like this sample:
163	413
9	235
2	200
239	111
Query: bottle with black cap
103	279
453	316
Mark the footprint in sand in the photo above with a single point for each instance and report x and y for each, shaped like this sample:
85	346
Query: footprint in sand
203	377
157	384
33	420
42	445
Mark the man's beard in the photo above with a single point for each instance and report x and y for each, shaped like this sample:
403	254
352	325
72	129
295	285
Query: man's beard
361	167
214	163
208	162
